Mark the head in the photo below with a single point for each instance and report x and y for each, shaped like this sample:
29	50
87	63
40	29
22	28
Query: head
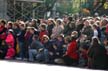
32	30
86	23
15	25
10	31
2	23
74	35
34	21
50	21
94	26
35	37
22	25
60	37
42	27
59	22
45	38
70	18
95	41
9	25
67	39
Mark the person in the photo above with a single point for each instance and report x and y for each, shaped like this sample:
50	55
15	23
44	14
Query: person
57	30
21	39
84	45
48	49
2	31
50	26
71	56
87	29
97	57
43	31
3	50
34	23
70	26
10	42
9	25
67	40
34	48
58	45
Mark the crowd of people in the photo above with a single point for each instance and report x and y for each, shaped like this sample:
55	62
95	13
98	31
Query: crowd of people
67	41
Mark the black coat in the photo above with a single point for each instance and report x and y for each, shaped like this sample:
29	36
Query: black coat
98	57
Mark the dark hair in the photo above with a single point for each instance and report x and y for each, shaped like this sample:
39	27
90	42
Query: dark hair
10	24
94	26
68	38
95	42
43	26
70	18
3	21
59	22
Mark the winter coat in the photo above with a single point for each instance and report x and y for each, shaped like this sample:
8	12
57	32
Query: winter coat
72	50
88	31
98	57
49	28
21	36
57	30
69	28
10	42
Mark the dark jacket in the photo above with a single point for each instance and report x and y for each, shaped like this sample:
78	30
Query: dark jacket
69	28
21	36
88	31
36	45
49	28
98	57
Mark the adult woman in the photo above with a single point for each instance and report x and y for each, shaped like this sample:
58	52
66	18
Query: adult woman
71	56
97	55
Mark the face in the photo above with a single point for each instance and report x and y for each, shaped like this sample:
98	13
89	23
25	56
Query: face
15	27
31	31
65	40
41	28
8	26
86	23
21	26
45	40
1	24
59	38
49	22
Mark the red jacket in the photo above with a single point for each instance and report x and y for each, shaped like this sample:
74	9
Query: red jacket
10	42
72	50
